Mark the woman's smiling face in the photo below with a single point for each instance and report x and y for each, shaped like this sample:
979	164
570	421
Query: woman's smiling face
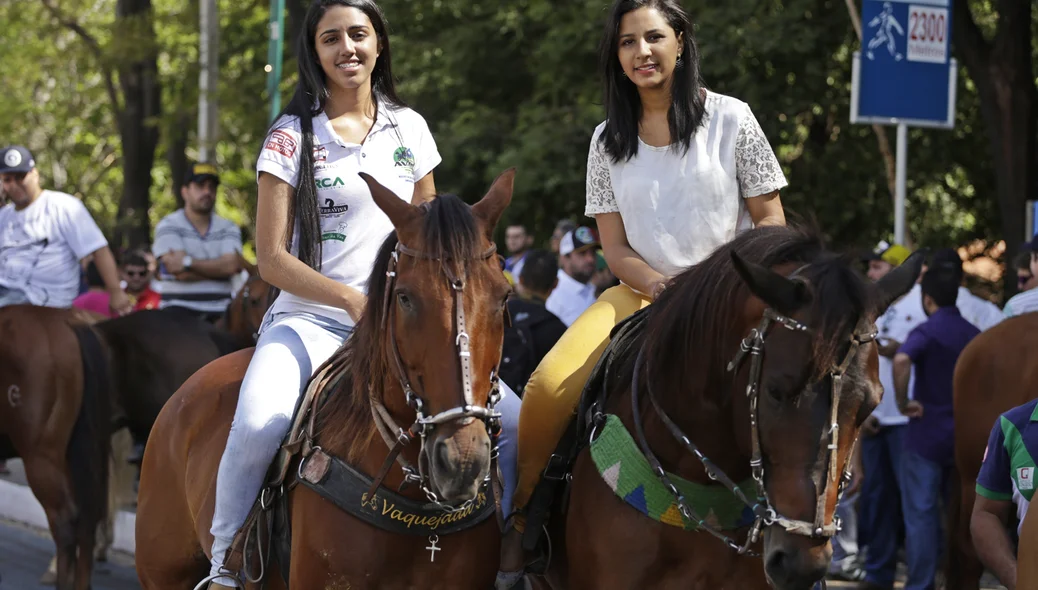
648	48
347	47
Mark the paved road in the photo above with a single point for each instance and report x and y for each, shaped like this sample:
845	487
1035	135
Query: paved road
25	553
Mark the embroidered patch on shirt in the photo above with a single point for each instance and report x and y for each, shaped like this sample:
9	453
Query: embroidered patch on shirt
1025	478
404	158
281	143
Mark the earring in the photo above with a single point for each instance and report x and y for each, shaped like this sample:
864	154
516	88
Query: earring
679	58
623	74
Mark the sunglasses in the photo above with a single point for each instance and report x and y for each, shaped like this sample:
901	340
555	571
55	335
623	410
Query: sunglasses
1021	280
15	176
136	273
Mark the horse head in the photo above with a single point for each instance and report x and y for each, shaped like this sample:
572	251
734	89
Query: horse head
437	316
244	314
810	365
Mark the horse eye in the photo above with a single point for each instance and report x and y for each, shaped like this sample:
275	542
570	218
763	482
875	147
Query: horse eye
403	300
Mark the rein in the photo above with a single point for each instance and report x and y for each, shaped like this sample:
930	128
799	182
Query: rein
398	438
762	508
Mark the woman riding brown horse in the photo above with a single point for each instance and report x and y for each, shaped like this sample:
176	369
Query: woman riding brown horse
995	373
56	417
435	292
789	324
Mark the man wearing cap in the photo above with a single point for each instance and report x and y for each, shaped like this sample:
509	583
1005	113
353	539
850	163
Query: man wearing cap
882	435
575	292
44	234
978	311
198	251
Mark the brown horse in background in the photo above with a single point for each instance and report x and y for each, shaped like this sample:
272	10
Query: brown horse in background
815	380
995	373
1027	553
56	416
411	317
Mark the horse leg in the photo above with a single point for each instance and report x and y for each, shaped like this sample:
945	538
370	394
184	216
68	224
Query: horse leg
86	539
51	485
963	568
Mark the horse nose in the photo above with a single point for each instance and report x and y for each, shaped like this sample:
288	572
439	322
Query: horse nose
459	463
788	571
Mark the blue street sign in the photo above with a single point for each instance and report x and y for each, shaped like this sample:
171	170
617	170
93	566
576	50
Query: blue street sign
904	72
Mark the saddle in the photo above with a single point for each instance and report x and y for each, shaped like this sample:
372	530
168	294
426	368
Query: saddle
549	498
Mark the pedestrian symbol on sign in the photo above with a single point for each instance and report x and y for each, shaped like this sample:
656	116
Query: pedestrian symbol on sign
885	25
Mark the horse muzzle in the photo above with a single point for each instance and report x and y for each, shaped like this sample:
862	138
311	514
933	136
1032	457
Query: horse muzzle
795	562
457	458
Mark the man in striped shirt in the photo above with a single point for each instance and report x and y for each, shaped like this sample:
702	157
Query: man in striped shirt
198	251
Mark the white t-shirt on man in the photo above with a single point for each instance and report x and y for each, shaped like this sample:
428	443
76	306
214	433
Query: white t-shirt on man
398	152
41	246
677	208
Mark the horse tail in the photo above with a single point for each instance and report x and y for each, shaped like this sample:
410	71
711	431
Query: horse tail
89	446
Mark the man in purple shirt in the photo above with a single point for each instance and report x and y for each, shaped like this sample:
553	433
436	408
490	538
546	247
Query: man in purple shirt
927	458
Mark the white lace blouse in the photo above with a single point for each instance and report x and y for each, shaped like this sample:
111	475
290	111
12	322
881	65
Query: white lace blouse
677	208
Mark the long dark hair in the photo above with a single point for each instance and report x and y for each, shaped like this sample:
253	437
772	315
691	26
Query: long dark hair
622	102
309	100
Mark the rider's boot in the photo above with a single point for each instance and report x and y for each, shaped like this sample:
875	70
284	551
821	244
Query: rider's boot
513	561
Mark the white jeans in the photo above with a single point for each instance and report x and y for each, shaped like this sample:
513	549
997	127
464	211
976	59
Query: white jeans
288	352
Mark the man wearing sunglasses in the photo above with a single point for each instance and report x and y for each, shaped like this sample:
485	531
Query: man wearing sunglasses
1026	300
44	234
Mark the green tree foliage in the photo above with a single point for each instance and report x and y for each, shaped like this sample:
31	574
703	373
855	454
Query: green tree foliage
503	84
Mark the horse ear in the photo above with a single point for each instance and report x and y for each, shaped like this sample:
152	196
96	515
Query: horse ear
399	211
897	282
489	209
785	295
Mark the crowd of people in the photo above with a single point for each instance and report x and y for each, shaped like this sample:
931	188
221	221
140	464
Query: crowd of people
675	171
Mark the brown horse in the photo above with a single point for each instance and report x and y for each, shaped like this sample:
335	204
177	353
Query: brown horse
1027	554
797	324
56	416
429	342
995	373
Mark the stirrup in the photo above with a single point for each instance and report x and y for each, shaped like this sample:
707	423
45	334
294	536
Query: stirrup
203	585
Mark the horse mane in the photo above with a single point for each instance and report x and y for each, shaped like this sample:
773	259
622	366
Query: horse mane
694	322
448	233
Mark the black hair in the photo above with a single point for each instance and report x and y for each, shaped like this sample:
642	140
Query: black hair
134	258
309	100
540	269
942	285
623	104
1022	261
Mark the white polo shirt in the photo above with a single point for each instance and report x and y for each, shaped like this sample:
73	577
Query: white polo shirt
41	246
570	298
398	152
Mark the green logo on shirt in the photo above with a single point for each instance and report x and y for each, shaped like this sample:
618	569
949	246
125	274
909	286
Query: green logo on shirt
323	183
338	235
403	158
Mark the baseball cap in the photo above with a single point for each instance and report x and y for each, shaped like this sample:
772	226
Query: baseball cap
199	171
893	255
577	240
16	159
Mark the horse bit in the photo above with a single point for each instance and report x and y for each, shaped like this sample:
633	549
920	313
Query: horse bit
763	511
396	437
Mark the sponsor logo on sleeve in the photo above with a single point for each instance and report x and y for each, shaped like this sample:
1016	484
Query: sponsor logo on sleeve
281	143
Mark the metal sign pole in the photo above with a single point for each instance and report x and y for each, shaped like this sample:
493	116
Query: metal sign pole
274	55
900	179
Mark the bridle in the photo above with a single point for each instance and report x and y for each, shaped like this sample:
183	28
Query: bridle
762	508
397	438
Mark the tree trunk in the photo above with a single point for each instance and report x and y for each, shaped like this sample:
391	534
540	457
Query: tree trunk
138	121
177	152
1002	71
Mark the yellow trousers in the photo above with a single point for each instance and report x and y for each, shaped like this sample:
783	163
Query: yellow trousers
553	391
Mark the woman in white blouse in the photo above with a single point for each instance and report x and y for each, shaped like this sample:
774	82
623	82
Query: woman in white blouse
673	173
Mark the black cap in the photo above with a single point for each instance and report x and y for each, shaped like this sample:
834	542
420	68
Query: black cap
16	159
199	171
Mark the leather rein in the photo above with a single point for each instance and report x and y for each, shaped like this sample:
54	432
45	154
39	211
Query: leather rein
762	508
398	438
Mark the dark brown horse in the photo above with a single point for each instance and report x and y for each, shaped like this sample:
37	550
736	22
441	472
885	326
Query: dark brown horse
995	373
755	367
1027	554
444	297
55	415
